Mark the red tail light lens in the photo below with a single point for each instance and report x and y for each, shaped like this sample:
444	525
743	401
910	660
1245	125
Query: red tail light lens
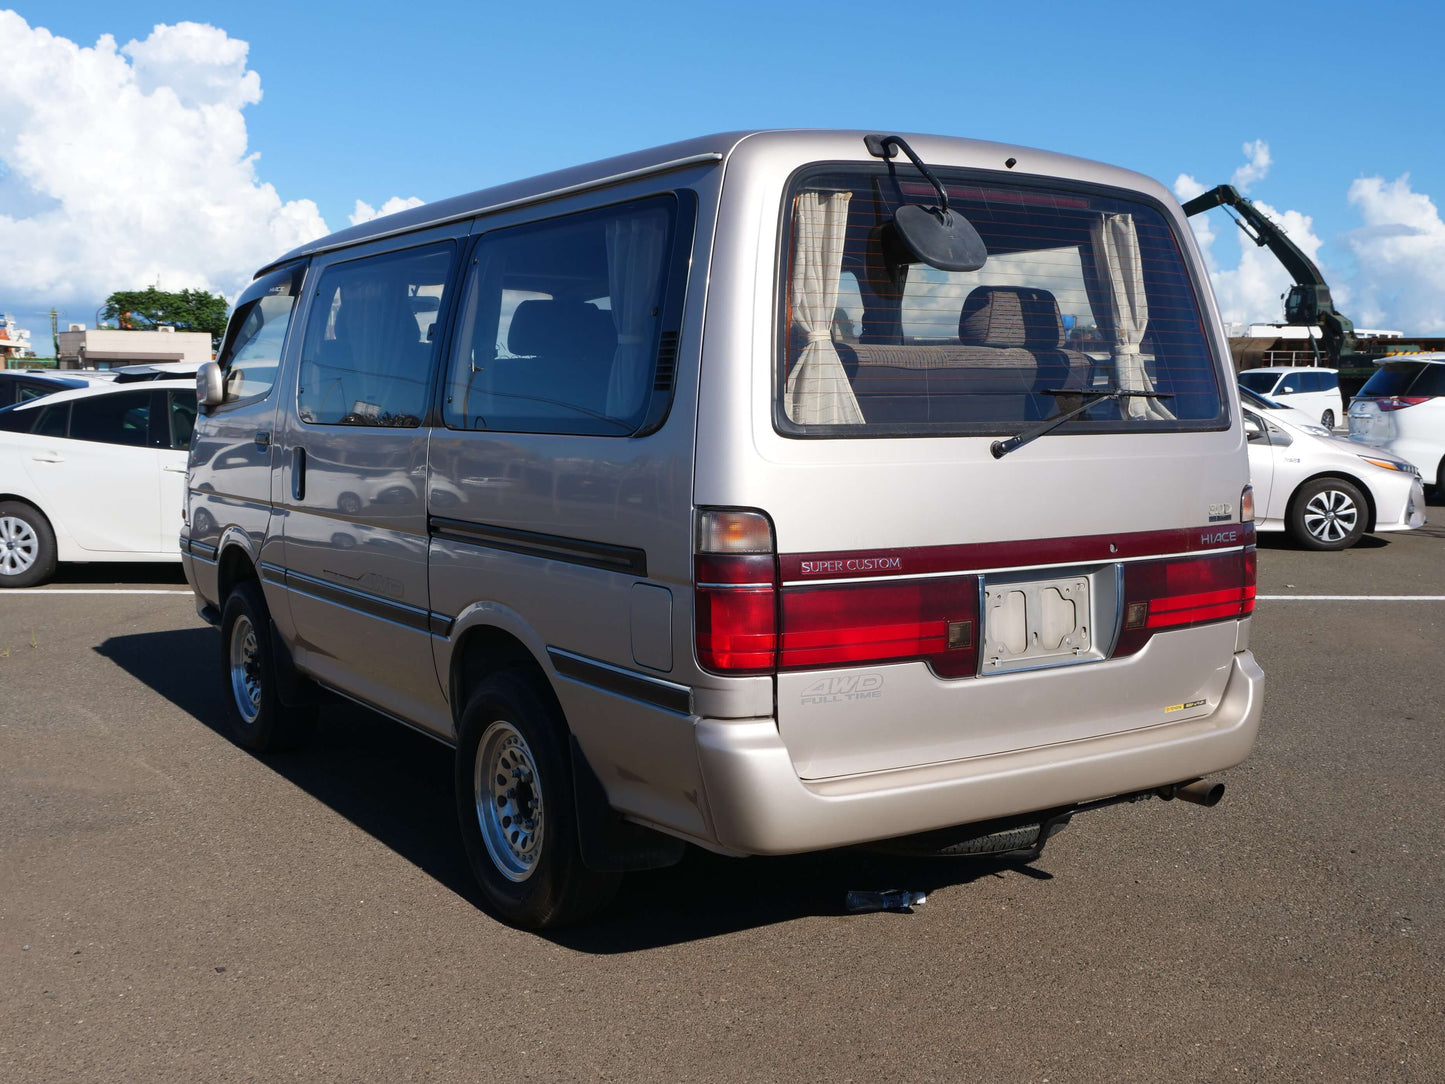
853	624
1184	592
737	629
1400	402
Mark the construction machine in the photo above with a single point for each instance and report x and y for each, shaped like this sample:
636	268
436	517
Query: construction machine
1308	303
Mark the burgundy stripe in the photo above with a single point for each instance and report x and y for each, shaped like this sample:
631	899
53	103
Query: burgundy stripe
969	557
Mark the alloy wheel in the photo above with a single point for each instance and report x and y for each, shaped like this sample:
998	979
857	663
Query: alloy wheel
245	669
508	798
19	546
1330	515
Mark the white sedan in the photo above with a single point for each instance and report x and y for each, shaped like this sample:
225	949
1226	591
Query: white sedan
1324	491
94	474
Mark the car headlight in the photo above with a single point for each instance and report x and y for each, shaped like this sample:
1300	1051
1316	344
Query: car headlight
1391	464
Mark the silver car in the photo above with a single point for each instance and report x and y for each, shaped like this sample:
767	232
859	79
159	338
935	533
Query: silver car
767	492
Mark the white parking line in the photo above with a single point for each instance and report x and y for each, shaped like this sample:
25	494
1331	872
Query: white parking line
1350	598
89	591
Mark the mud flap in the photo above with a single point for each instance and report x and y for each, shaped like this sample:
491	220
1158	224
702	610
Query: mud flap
610	844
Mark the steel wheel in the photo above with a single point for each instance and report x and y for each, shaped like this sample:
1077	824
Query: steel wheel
19	546
245	667
508	798
1331	515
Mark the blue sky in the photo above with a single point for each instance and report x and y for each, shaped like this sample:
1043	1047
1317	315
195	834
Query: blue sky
369	101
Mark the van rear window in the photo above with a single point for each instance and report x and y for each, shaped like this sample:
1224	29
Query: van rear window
1082	293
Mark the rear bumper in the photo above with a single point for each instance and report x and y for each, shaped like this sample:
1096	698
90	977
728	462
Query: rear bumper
760	806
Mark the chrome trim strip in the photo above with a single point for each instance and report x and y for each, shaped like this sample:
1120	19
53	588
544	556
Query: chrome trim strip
523	201
398	613
203	550
577	551
623	682
1017	568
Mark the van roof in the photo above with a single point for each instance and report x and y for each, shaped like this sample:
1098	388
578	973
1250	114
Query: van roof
820	144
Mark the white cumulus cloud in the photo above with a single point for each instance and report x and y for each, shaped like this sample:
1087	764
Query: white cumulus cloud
129	166
1255	168
121	167
1399	255
365	212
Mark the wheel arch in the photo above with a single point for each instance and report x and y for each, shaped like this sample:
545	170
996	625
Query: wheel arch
1343	476
234	564
489	647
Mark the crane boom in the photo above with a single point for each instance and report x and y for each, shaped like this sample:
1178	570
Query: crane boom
1309	303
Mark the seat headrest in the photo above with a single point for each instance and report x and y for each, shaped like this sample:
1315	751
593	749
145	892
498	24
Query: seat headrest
1011	316
544	327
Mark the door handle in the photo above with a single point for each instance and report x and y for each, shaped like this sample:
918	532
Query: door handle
50	458
298	473
263	440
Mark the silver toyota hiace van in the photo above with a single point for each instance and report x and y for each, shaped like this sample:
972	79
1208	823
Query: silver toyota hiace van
770	492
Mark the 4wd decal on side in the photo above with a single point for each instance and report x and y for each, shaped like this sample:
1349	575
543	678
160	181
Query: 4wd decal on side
841	687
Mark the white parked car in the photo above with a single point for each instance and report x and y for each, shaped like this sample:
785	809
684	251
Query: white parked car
1316	392
93	474
1401	408
1273	408
1327	492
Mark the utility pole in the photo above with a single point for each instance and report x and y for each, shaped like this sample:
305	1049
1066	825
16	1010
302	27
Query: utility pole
55	335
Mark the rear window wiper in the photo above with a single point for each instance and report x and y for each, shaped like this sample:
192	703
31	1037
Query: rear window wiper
1001	448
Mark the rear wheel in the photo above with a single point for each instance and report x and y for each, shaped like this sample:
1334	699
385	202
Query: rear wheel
1327	419
516	808
259	720
27	545
1328	514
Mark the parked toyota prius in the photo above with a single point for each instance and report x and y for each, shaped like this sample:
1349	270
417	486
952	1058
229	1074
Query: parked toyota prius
1325	491
93	474
768	492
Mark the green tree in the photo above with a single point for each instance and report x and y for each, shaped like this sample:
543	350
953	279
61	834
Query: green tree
189	310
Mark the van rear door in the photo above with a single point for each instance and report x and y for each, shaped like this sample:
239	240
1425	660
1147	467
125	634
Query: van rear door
938	599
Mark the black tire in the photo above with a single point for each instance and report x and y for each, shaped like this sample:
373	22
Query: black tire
1328	514
259	720
27	545
1327	419
519	823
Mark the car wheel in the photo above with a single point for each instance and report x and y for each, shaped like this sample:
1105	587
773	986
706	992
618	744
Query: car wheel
1327	419
1328	514
259	720
516	807
27	545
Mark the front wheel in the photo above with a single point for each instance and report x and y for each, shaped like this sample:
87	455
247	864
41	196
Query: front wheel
1328	514
259	720
27	546
1327	419
516	807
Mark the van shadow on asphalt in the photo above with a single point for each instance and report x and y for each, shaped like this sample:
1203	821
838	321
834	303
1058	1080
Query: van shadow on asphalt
396	785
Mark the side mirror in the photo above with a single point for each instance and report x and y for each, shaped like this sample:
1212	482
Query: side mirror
210	387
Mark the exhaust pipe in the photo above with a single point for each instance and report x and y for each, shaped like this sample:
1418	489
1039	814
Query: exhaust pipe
1199	791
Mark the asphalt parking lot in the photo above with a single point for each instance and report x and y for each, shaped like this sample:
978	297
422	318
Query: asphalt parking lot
173	908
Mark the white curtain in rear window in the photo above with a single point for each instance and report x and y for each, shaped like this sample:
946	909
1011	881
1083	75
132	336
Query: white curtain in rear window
818	392
1117	260
636	246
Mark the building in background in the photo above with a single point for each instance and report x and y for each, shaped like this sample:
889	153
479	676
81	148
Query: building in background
14	341
107	349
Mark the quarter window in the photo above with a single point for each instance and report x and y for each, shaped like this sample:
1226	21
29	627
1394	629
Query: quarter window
370	339
251	353
561	324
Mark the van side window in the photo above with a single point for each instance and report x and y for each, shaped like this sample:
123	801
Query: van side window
560	323
251	352
370	337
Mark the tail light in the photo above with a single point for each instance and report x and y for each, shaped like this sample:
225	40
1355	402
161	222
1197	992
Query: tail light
1400	402
1187	591
852	624
746	624
735	591
1246	505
